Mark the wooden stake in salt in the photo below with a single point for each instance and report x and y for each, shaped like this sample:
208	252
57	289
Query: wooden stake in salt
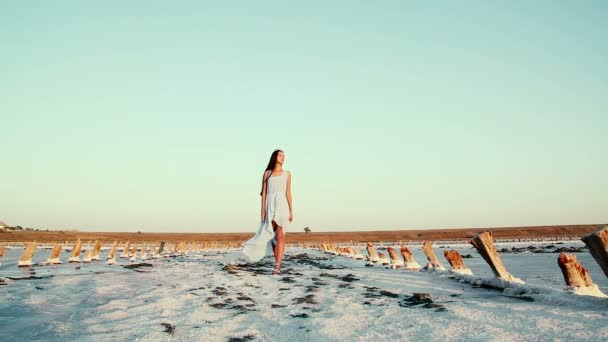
485	246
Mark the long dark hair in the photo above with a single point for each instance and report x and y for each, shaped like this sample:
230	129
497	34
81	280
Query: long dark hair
271	164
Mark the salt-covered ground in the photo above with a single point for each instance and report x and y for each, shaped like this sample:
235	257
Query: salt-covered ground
214	296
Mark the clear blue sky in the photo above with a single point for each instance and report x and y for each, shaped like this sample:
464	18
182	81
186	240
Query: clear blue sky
161	116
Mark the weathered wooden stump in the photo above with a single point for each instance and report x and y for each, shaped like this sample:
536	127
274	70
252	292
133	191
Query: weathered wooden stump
54	256
455	260
382	259
371	253
96	250
133	253
410	262
433	263
485	246
75	256
112	255
26	258
597	242
88	254
125	250
161	248
578	279
396	261
358	255
144	251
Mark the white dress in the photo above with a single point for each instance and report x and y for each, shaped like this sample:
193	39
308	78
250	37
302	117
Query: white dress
277	210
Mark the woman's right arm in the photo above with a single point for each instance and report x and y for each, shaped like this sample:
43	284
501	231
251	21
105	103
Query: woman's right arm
264	178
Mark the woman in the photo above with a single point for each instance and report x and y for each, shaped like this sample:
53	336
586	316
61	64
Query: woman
276	212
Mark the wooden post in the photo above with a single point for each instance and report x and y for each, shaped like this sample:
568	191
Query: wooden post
485	246
54	256
88	254
433	263
133	253
410	262
2	251
597	242
96	250
396	261
154	251
358	255
455	260
112	255
125	250
371	254
26	258
144	254
383	259
75	256
578	279
161	248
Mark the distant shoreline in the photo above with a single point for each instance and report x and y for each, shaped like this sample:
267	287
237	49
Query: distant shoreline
530	232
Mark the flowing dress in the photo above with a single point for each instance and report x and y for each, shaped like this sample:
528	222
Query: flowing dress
277	210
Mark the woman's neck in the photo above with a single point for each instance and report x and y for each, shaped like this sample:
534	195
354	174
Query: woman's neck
278	168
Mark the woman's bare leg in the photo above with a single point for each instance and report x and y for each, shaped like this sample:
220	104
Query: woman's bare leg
278	255
274	247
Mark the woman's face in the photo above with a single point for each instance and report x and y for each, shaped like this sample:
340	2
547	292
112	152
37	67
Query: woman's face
280	157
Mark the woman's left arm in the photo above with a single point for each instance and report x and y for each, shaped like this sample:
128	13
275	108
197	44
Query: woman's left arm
288	194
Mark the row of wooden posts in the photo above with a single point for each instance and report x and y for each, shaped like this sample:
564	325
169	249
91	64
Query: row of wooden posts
130	251
576	276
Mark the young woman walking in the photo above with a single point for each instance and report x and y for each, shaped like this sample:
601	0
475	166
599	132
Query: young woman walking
276	213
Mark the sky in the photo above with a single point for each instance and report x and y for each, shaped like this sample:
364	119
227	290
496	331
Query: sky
161	116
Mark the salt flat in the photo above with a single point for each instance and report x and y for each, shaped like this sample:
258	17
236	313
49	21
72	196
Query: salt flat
214	296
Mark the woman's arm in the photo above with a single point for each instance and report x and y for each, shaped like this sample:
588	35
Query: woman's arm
264	178
288	194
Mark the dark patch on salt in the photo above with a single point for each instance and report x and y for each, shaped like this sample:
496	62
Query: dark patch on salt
374	292
232	269
312	288
328	275
30	277
219	291
424	300
244	297
169	328
389	294
276	306
196	288
349	278
301	315
288	280
248	337
306	259
308	299
133	266
218	305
